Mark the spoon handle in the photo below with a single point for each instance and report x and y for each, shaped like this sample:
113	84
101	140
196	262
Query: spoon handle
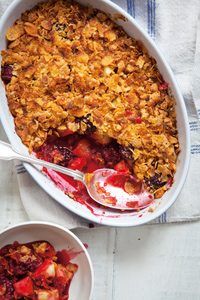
8	153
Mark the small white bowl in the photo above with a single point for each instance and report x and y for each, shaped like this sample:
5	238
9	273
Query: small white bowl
82	284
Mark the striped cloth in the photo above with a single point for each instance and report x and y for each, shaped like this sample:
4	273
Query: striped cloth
173	24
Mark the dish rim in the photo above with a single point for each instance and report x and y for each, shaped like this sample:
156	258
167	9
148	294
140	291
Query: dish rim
34	173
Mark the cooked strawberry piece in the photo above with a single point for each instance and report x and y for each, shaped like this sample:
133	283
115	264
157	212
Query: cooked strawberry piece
92	166
129	183
117	180
163	86
128	113
46	269
83	149
138	120
77	163
24	287
122	167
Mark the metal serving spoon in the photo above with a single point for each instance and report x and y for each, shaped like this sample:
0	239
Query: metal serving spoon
95	183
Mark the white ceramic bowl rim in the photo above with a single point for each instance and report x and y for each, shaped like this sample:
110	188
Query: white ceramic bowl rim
77	210
50	224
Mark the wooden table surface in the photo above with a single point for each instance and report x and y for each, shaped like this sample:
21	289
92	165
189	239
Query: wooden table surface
151	262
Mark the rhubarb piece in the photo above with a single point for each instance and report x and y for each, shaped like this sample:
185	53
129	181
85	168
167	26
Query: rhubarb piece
77	163
82	149
117	180
24	287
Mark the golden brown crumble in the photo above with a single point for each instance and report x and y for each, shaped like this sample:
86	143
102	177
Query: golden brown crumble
70	61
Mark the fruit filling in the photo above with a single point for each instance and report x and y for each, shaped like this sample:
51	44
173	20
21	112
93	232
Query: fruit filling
84	153
35	271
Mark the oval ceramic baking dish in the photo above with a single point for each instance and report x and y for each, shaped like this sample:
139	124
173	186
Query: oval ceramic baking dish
102	215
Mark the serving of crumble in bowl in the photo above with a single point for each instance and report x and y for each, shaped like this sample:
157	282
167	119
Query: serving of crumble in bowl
42	260
86	88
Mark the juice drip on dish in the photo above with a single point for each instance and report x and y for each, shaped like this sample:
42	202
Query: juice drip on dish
75	189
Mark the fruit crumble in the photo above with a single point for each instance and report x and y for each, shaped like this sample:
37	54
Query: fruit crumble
35	271
69	69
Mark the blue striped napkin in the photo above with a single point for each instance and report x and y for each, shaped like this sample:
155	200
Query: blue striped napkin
173	24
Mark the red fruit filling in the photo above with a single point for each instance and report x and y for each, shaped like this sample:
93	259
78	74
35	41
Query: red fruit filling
49	276
83	153
128	183
83	148
78	163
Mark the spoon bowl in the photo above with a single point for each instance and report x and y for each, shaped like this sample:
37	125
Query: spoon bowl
117	190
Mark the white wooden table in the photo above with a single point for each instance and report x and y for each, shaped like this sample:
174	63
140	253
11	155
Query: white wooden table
152	262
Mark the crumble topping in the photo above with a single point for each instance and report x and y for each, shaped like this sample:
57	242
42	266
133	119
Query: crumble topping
69	67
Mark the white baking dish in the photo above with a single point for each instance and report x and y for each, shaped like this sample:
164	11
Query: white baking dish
103	216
